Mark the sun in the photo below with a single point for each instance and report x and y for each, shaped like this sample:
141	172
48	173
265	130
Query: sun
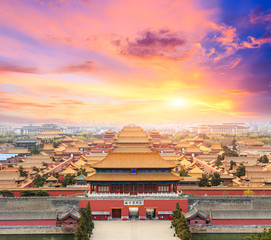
177	102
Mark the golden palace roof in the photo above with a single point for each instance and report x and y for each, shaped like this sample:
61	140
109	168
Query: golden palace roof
72	150
133	160
80	163
51	178
18	150
196	170
132	149
68	171
216	146
133	139
48	147
114	177
192	150
132	129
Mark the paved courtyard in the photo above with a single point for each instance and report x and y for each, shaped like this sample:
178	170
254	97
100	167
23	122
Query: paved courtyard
133	230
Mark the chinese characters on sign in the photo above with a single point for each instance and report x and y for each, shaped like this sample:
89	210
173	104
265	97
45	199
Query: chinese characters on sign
133	202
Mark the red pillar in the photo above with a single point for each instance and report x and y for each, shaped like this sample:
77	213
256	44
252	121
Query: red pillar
156	188
97	189
110	188
90	190
143	188
175	188
123	188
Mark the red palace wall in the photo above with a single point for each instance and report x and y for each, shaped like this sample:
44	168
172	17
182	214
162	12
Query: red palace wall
28	222
197	222
226	192
240	222
53	193
159	205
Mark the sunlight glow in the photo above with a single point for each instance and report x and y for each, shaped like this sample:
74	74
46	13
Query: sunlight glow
179	102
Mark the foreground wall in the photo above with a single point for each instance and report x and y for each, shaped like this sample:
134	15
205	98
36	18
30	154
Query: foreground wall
162	206
225	191
54	192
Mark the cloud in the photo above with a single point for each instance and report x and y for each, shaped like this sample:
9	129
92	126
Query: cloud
83	67
69	68
258	16
256	43
162	44
11	67
238	92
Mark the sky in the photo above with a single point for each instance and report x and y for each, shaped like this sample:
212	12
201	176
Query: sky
136	61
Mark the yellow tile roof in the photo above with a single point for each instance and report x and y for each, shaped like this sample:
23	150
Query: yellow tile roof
132	140
185	162
51	178
133	177
67	171
216	146
196	170
48	147
72	150
98	141
183	145
67	138
204	148
80	163
132	149
81	144
192	150
91	159
133	160
18	150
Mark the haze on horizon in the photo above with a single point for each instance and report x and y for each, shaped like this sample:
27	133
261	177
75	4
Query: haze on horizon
135	61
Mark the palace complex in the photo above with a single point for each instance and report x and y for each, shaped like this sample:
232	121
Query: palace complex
133	168
134	174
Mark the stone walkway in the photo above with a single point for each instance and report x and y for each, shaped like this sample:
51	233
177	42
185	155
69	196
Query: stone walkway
133	230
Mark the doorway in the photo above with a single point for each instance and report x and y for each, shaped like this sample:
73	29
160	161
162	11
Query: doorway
150	213
133	212
116	213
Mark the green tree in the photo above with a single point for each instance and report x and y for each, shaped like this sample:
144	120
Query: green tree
216	180
229	153
4	139
69	180
263	159
42	193
232	163
56	143
44	164
82	171
38	180
35	169
81	231
23	173
240	171
10	166
36	149
218	161
6	193
181	225
55	174
86	214
183	173
265	235
27	193
204	182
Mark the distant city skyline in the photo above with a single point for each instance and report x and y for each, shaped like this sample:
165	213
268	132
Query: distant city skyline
142	62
